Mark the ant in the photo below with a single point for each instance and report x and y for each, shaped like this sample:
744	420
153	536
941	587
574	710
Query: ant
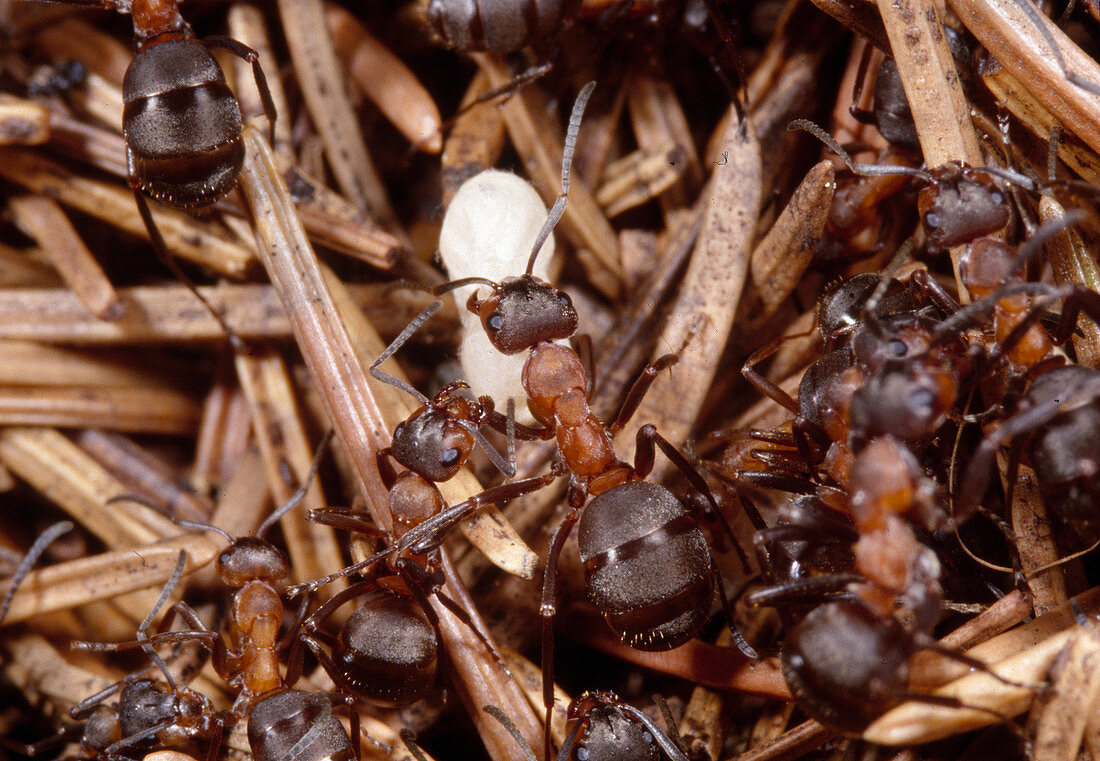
282	722
149	713
959	203
1053	420
846	660
388	650
181	122
888	367
648	566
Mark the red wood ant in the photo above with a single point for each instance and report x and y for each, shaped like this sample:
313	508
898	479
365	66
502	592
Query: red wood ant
1054	421
181	122
388	650
959	203
846	660
888	367
282	722
648	566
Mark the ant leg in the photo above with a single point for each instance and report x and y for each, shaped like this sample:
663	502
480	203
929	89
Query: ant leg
546	612
352	704
500	424
643	463
396	344
322	614
345	519
861	115
929	287
738	639
815	589
85	707
583	347
419	583
44	540
430	534
246	53
728	66
161	249
762	384
637	391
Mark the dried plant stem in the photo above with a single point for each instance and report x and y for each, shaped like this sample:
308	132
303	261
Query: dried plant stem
1010	35
701	319
326	93
200	242
282	438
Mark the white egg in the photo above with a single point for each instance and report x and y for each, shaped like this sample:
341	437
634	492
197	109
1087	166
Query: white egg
488	231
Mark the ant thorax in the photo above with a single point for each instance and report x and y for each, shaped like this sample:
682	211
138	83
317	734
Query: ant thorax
488	232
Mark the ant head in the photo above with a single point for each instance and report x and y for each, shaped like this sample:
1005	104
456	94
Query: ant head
906	400
842	305
524	311
432	442
251	559
961	204
898	337
145	703
605	730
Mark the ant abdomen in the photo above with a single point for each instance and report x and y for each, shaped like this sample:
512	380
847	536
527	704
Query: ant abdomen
846	665
647	565
498	26
182	125
388	650
294	725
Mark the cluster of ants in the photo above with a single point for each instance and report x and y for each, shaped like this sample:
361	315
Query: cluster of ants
852	564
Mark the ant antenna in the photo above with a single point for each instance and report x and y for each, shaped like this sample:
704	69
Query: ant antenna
1037	19
409	738
44	540
507	467
566	166
298	496
142	500
510	727
887	274
865	170
362	565
165	593
454	285
396	344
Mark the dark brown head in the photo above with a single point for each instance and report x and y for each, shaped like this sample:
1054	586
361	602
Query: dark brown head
251	559
432	443
524	311
960	205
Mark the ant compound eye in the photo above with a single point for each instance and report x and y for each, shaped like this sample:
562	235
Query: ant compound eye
997	197
582	754
495	322
898	347
932	220
648	738
922	398
449	457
